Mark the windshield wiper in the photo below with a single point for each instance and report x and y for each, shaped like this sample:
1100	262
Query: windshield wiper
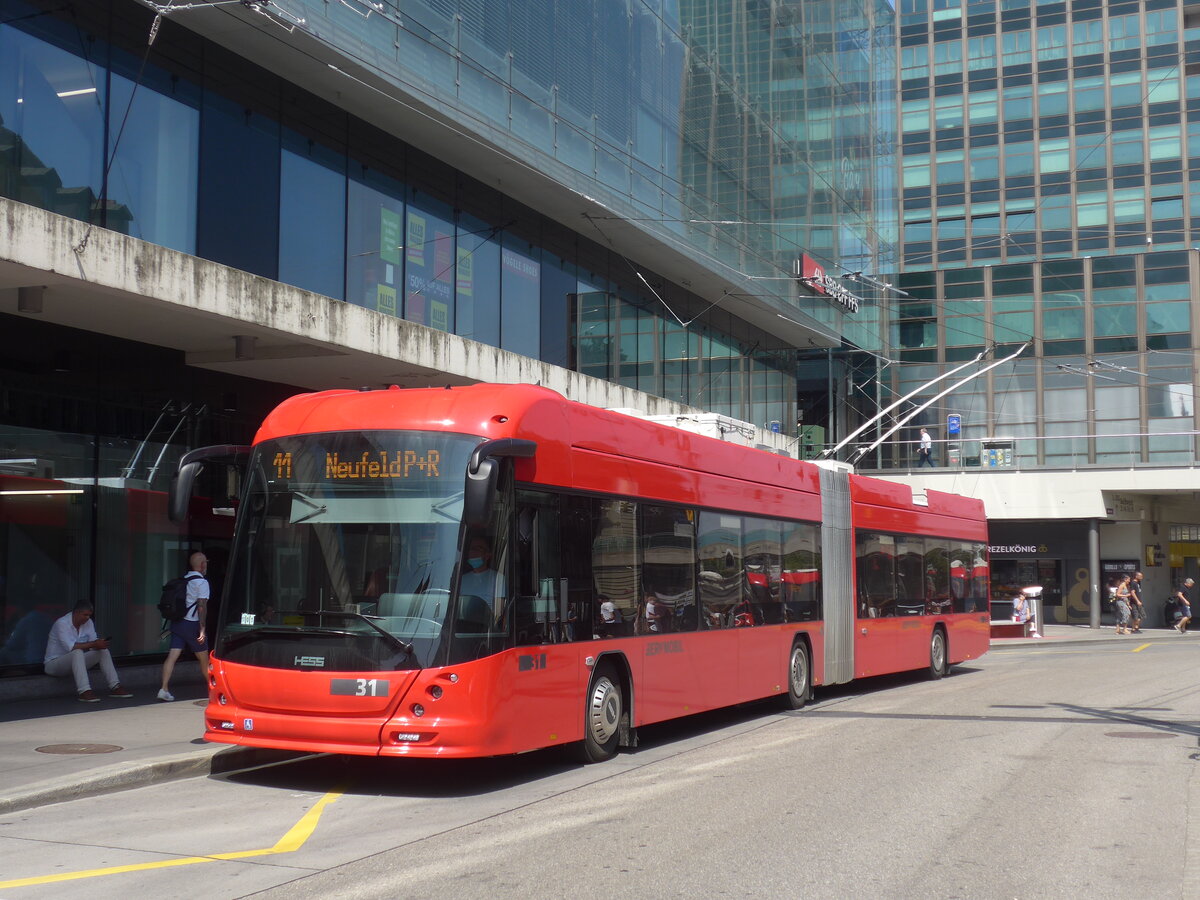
318	509
454	499
247	637
392	639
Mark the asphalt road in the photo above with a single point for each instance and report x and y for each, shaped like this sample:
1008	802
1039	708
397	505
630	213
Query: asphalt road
1036	772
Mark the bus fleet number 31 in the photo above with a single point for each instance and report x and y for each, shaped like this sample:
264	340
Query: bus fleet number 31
359	687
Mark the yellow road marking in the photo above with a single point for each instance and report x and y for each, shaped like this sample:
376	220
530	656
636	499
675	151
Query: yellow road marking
289	843
1141	648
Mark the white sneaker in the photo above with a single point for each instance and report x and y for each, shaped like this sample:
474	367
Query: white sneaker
165	695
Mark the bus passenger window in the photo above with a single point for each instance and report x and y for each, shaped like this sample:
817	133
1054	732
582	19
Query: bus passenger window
721	569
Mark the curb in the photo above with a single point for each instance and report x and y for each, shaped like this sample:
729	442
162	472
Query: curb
40	686
215	759
1003	643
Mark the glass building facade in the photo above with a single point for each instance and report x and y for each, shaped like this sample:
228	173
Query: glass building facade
1049	163
735	135
1048	175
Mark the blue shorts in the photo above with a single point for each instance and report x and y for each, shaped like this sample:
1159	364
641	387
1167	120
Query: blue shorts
186	634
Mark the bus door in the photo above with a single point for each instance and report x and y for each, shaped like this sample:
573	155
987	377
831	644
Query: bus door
678	665
546	613
725	612
877	621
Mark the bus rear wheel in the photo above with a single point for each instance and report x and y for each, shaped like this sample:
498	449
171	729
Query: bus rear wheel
937	654
603	708
799	677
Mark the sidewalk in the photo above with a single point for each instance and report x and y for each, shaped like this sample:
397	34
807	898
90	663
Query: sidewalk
1082	634
54	748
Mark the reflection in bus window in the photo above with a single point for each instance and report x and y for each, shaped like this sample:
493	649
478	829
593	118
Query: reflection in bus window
763	565
800	578
980	579
937	571
721	577
668	542
876	556
910	576
614	558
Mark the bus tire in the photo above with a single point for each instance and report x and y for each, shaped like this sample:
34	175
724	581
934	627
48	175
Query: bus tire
603	708
937	654
799	677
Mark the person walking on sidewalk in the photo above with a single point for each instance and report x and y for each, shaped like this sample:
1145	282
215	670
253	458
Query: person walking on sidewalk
1121	604
1183	608
73	647
188	632
925	450
1137	612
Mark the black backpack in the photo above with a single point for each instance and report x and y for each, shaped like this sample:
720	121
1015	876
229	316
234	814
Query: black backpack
173	604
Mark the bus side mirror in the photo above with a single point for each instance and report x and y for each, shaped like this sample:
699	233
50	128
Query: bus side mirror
483	472
479	493
179	497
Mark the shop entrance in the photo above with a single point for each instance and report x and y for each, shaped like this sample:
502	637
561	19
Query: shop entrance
1010	575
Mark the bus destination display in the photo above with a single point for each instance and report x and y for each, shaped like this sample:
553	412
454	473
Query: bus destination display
371	465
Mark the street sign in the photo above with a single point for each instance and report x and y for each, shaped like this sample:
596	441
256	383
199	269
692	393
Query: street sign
953	425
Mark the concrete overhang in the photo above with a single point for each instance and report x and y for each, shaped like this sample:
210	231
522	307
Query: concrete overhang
1048	494
418	114
61	271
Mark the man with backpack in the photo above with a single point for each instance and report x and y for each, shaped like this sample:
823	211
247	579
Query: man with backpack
187	631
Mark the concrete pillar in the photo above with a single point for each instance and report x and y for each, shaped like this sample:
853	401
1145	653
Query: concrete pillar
1094	568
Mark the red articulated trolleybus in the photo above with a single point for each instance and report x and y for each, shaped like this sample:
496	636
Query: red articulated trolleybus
494	569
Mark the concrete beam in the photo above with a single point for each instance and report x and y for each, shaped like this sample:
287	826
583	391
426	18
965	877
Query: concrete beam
109	283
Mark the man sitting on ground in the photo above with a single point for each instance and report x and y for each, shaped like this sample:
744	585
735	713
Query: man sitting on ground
73	648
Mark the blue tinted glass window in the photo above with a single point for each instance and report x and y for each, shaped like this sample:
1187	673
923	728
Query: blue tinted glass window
478	282
375	243
238	208
1061	324
558	288
594	344
1168	318
1115	319
312	219
153	176
52	103
520	291
429	263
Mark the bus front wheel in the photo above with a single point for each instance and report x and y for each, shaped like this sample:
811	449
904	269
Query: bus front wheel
602	716
799	675
937	654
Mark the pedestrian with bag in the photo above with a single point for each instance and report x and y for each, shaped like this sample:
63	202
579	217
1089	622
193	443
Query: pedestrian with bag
1183	605
188	632
1121	604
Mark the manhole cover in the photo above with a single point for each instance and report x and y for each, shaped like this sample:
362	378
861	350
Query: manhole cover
1142	735
79	748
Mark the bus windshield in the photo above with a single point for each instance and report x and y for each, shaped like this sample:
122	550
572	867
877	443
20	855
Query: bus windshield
345	550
